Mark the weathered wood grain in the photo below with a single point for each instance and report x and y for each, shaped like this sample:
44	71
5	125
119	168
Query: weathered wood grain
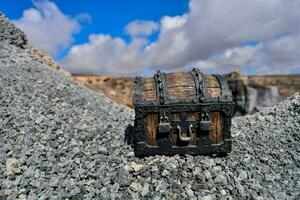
148	89
216	135
213	82
213	86
148	84
173	138
194	116
180	85
149	95
176	116
151	123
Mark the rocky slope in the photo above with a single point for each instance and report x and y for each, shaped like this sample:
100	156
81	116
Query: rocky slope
13	36
59	140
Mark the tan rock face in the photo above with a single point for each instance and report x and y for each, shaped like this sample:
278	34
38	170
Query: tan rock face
287	84
121	89
118	89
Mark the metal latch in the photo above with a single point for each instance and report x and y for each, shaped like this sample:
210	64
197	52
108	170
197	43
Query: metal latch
185	138
205	123
164	124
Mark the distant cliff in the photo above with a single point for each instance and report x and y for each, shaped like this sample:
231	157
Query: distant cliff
120	89
286	84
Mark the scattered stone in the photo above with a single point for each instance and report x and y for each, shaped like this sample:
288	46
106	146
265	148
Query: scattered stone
208	162
222	192
13	167
136	186
53	181
145	190
124	178
115	188
241	189
197	171
220	179
207	197
242	175
207	174
165	173
136	167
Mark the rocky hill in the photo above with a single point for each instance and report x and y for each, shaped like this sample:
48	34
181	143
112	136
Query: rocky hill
60	140
11	35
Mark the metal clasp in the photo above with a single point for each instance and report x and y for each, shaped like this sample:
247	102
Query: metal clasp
205	123
185	138
164	125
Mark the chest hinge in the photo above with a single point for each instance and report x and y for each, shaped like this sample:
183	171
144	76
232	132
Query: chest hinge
160	86
199	83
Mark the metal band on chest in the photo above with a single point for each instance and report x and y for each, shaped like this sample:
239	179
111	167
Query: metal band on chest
199	83
226	94
160	86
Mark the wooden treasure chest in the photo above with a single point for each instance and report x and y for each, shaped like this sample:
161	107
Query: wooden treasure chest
182	113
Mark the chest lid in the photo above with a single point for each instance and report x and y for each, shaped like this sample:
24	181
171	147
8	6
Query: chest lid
181	88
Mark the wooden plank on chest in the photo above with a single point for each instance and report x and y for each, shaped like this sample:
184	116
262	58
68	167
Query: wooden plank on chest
213	86
148	84
150	123
180	85
148	89
216	134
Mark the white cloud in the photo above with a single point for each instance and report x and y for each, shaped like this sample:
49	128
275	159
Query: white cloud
104	55
212	34
279	56
212	26
48	28
168	23
230	59
141	28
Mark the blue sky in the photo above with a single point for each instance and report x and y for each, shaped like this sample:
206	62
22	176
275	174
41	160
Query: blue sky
131	37
107	16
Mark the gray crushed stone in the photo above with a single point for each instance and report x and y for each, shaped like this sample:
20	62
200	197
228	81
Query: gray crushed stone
59	140
10	34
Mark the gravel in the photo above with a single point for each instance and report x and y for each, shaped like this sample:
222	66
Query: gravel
59	140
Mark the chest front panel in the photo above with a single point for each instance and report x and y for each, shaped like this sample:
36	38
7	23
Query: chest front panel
151	123
182	113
